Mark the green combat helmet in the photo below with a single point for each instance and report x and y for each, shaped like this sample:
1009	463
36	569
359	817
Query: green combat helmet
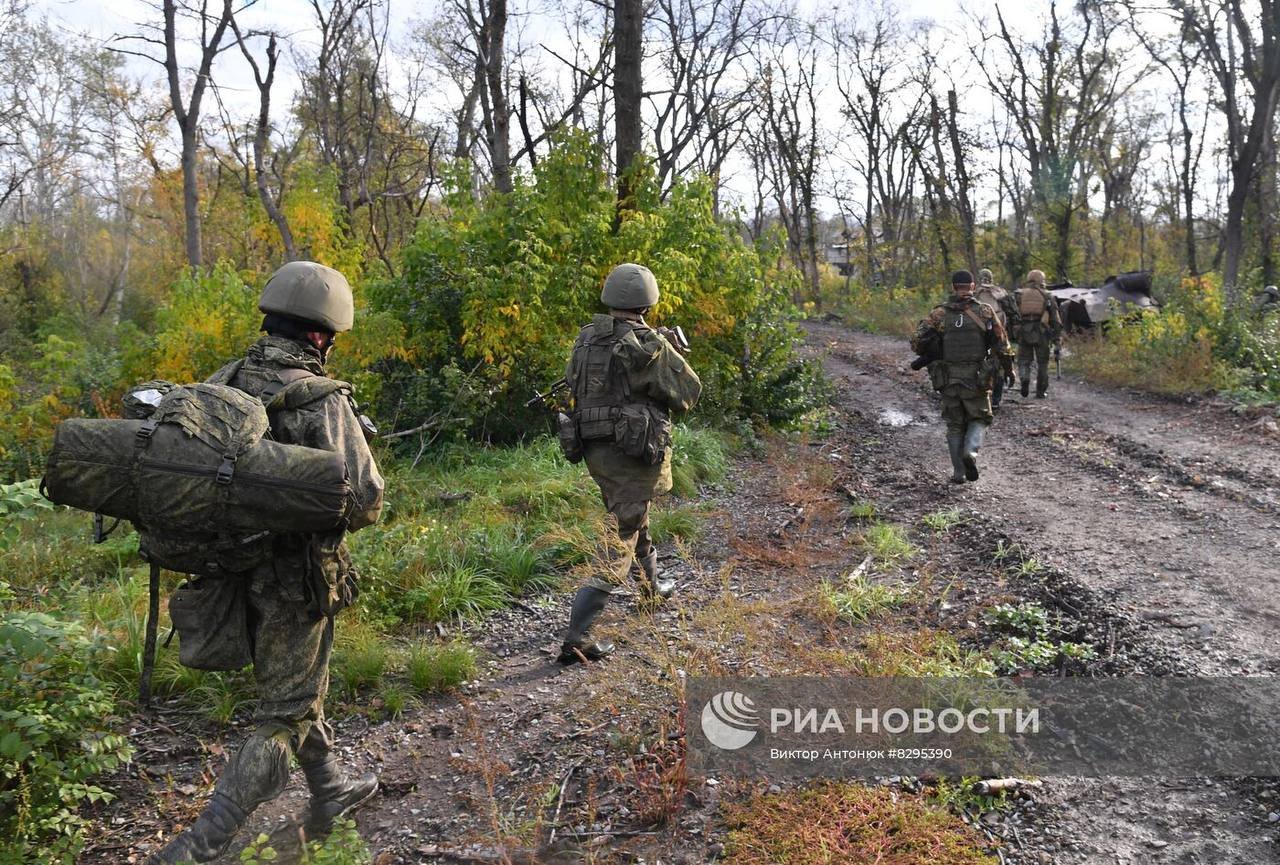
629	286
984	276
311	292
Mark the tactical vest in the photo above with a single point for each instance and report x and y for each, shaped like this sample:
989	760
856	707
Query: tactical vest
964	335
598	383
1032	304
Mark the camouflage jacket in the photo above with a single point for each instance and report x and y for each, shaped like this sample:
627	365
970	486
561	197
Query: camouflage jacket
655	372
997	340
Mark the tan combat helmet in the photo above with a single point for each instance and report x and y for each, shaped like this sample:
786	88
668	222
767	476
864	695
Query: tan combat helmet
984	276
629	286
311	292
1036	277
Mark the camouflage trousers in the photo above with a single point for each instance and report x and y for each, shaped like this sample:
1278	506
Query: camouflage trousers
291	649
961	406
630	522
1039	353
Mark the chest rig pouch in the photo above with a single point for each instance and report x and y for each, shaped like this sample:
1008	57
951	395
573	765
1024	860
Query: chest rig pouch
964	349
605	409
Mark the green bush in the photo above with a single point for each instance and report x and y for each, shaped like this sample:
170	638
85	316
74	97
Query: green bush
492	293
54	738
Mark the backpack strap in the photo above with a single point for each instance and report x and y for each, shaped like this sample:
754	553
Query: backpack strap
226	373
284	379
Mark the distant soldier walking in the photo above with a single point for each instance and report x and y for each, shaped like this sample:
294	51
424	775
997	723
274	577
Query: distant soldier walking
1001	302
971	346
626	379
292	597
1039	326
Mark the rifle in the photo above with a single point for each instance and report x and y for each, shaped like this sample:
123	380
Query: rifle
541	398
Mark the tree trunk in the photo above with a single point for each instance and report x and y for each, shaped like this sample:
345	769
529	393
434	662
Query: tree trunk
628	28
191	195
500	141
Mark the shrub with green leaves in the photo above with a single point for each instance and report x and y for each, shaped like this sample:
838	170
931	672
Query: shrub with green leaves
55	737
493	291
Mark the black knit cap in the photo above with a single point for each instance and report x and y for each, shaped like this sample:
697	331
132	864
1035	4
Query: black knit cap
962	277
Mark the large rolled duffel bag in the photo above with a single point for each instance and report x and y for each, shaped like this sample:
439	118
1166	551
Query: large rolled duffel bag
200	464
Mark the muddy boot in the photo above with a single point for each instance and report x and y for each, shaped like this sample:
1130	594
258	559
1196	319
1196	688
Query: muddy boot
1026	386
208	837
955	444
587	606
972	442
333	794
652	584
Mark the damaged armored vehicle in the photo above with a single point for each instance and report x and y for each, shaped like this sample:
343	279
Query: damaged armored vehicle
1084	307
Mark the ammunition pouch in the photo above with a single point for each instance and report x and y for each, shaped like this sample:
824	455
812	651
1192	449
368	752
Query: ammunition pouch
332	583
596	423
643	432
569	437
210	616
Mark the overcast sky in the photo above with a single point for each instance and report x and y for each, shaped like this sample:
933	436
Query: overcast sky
947	22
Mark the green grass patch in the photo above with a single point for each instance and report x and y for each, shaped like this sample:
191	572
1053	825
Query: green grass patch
922	653
944	521
667	524
434	667
862	511
859	599
887	543
1030	639
360	657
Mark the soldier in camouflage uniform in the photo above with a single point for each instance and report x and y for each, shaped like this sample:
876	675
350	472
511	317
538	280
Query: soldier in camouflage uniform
1001	302
1039	326
293	597
974	347
626	379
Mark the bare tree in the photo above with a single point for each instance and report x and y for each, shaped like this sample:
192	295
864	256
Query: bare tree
701	108
628	90
1057	90
1241	46
186	109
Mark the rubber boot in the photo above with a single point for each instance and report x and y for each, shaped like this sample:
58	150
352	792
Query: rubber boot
652	584
972	442
333	794
955	444
208	837
587	606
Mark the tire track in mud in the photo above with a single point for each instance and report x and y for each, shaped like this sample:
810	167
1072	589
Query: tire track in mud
1169	553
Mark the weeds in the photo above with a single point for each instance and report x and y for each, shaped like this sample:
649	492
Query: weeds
862	511
916	654
666	525
1030	640
360	657
438	667
860	600
960	797
887	543
848	822
943	521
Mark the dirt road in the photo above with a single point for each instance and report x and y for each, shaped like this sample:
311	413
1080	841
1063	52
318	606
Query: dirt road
1154	526
1171	508
1165	511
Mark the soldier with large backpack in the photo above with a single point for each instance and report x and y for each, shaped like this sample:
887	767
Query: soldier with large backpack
970	347
1001	302
290	598
626	379
1039	326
